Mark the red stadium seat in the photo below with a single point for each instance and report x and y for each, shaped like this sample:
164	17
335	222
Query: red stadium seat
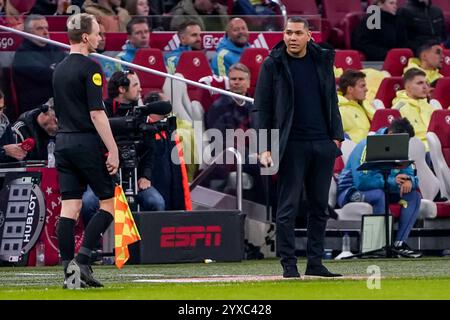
304	7
153	59
57	23
348	59
383	118
445	71
388	90
396	60
335	11
440	97
349	23
253	59
440	125
444	5
193	65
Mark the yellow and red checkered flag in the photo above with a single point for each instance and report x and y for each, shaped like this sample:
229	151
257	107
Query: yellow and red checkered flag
125	230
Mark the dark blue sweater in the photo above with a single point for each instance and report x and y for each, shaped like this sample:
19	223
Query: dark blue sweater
309	122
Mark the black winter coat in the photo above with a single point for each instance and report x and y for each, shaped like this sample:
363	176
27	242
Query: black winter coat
5	139
274	97
423	23
27	127
375	43
33	68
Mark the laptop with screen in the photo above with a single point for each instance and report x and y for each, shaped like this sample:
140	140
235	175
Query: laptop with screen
387	147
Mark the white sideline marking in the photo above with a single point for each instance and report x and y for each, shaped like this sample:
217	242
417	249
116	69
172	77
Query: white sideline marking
245	278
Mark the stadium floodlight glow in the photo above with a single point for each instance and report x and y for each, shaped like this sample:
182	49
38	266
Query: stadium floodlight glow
130	65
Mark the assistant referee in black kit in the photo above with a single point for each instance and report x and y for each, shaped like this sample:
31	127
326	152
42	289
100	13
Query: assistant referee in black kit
86	153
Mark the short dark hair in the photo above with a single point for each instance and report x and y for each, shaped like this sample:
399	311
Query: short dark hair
426	46
118	79
296	19
183	26
79	24
133	22
152	96
402	125
412	73
2	95
349	79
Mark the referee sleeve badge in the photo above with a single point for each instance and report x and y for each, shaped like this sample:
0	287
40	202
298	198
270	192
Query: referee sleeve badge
97	79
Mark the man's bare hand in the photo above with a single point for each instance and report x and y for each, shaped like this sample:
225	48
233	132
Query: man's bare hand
405	188
265	159
15	151
401	178
144	183
112	162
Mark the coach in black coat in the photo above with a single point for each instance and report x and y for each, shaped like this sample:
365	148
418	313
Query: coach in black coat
296	94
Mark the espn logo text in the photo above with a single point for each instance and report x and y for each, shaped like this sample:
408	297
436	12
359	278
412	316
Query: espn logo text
191	236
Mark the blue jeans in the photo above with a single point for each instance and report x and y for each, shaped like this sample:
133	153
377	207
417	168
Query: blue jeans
408	215
90	205
149	199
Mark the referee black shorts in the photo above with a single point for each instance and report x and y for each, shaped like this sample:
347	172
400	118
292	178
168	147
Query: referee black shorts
81	161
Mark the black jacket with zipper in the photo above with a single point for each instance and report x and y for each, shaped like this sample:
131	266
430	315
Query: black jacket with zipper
423	22
274	97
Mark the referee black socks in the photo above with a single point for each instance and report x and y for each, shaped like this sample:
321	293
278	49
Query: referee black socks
92	234
66	239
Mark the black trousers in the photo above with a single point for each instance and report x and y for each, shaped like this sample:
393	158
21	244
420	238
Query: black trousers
309	165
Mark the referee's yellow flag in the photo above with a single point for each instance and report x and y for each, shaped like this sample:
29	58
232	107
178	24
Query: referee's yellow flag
125	230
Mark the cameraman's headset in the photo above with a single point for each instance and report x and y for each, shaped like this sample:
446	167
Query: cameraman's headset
122	81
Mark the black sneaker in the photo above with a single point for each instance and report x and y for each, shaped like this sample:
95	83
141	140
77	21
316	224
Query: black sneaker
290	272
320	271
86	274
72	277
405	251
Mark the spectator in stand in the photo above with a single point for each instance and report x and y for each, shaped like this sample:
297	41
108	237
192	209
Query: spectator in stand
189	34
356	112
101	8
14	11
375	43
41	125
9	150
197	8
232	113
231	46
367	186
412	103
429	59
33	65
137	7
423	21
138	32
54	7
141	8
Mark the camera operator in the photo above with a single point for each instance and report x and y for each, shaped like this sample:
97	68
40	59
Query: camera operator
124	93
169	178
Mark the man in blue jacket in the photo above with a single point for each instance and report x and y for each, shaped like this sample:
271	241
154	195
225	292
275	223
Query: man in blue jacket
231	47
367	186
189	34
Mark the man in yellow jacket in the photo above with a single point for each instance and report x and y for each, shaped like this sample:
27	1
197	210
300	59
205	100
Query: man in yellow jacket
413	104
429	59
356	111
